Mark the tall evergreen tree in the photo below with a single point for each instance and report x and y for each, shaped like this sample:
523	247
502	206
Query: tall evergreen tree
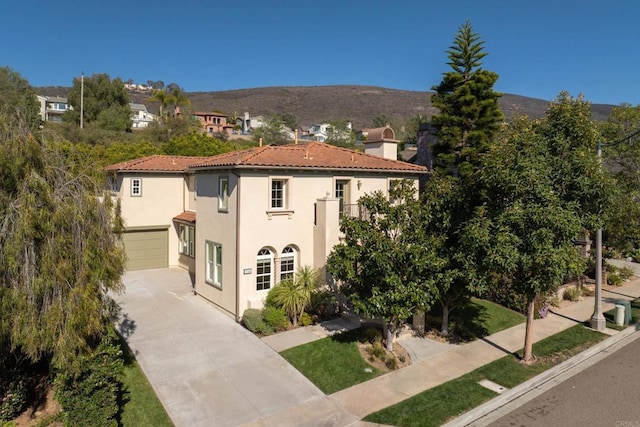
469	115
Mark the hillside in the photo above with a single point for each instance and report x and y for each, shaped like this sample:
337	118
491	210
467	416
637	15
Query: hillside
360	104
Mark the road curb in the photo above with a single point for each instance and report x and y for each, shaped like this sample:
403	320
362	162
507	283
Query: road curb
532	385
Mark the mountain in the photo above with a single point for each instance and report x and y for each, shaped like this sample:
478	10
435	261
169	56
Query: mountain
360	104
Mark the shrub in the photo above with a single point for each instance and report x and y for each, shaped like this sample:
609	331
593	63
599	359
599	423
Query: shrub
371	335
275	317
88	390
13	397
572	294
614	279
586	292
253	319
324	304
305	319
625	273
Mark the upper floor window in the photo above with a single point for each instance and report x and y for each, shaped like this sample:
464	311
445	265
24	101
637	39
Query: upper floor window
278	194
223	194
342	194
136	186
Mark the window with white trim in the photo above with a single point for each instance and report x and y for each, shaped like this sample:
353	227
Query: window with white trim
136	186
213	266
278	193
223	194
342	194
187	240
264	269
287	263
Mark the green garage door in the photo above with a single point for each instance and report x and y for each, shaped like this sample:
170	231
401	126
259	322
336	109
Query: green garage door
146	249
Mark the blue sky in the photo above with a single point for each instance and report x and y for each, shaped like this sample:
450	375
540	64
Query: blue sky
538	48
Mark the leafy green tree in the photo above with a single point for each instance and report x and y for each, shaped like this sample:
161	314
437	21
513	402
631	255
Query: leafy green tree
623	159
387	261
196	144
272	133
524	228
121	151
409	132
60	250
341	134
162	98
382	120
179	99
289	120
100	94
469	116
18	97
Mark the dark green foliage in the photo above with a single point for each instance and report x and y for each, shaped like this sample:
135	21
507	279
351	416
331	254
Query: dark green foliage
323	304
275	317
13	395
106	102
273	132
89	389
18	98
196	144
59	255
469	115
388	259
253	319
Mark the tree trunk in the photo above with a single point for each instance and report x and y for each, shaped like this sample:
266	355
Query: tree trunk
391	332
444	330
527	357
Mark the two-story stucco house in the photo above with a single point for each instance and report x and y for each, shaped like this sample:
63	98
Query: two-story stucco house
242	221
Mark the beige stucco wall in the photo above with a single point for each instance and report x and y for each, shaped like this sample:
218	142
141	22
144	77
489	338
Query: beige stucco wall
219	227
162	199
250	225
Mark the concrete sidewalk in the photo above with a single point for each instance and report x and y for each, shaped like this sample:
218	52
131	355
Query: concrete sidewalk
438	363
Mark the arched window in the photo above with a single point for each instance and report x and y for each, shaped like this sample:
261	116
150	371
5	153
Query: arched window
287	263
264	270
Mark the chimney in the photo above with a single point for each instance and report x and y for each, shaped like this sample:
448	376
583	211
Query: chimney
296	136
381	142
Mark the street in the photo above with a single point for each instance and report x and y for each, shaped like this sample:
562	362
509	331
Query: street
605	394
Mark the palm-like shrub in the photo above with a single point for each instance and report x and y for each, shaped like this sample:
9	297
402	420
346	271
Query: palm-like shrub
294	293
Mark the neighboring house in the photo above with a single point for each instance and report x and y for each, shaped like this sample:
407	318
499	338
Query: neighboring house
248	124
140	116
322	132
213	122
152	191
256	215
52	108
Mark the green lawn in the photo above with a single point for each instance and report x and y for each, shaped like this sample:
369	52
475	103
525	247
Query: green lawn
140	405
435	406
478	319
332	363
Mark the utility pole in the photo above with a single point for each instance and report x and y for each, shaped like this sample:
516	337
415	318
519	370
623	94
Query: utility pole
597	318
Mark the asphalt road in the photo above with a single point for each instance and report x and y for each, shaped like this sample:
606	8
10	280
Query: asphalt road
605	394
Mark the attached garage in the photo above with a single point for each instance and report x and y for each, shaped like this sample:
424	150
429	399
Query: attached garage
146	248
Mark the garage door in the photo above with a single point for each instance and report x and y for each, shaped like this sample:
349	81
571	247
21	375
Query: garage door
146	249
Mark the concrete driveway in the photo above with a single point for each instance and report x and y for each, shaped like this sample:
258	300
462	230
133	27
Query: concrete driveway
206	369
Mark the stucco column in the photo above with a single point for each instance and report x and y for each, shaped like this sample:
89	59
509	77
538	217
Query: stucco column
326	232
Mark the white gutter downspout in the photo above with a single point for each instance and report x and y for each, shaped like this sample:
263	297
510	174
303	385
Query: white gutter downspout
238	273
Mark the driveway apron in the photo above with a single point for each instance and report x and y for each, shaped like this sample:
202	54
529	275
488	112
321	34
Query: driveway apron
205	368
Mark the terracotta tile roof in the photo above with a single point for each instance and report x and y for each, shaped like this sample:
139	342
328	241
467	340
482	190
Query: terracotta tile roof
156	163
187	216
311	155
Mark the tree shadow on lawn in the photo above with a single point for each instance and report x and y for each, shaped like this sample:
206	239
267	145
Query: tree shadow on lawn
466	323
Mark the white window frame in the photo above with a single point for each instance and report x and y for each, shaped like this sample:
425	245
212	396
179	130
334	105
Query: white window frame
278	202
187	240
264	259
136	187
289	256
223	194
213	263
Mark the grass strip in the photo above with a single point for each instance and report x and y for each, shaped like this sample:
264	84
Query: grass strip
140	406
332	363
437	405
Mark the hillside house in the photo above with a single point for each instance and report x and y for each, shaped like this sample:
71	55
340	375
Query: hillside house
140	117
52	108
242	221
213	122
